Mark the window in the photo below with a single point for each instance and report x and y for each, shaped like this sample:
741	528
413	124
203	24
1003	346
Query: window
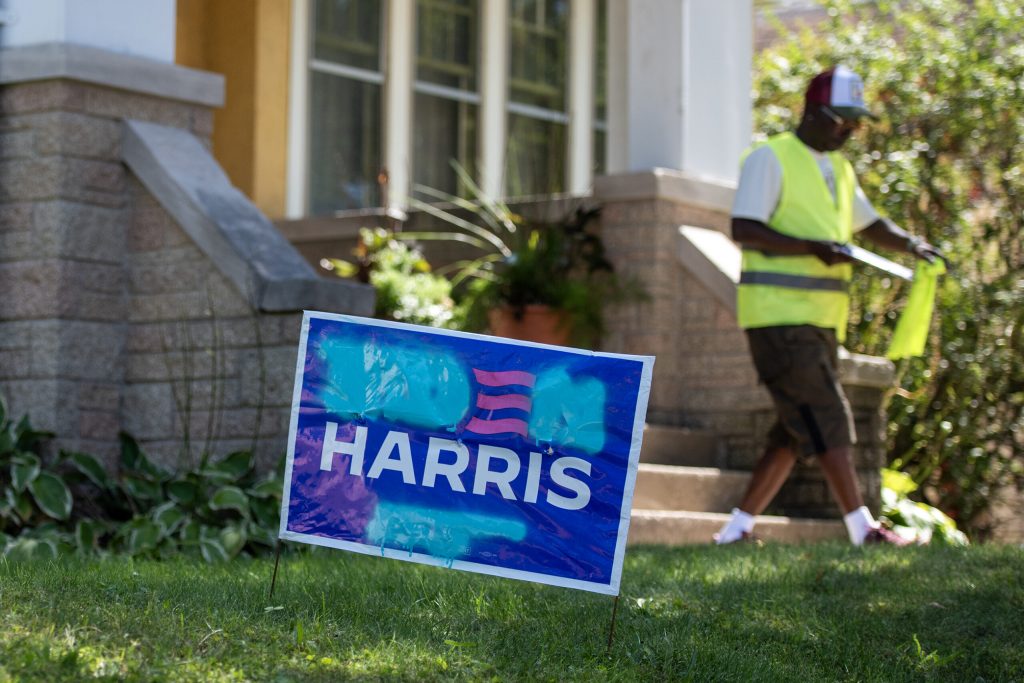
537	125
354	123
345	136
446	105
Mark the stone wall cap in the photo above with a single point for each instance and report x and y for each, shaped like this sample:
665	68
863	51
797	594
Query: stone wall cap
858	369
112	69
669	184
244	245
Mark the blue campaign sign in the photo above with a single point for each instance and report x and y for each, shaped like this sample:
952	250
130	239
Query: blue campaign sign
466	451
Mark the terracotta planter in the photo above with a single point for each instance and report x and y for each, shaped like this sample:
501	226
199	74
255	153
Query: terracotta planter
539	323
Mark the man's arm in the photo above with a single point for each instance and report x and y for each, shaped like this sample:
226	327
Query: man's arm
887	235
756	235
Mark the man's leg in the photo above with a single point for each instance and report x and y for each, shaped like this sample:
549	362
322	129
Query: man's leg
767	478
837	464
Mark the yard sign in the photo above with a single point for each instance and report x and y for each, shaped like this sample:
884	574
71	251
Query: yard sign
466	451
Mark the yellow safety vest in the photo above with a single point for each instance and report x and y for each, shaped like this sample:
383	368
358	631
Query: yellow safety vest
801	290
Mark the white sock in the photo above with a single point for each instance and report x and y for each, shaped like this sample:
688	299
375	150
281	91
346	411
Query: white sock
739	523
858	523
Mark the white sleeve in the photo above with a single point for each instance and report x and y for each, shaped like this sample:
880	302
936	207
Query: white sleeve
864	213
760	185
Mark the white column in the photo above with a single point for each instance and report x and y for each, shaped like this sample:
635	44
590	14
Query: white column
141	29
298	113
679	85
493	95
398	99
717	75
582	36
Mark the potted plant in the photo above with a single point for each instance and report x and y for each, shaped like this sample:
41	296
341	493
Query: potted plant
534	280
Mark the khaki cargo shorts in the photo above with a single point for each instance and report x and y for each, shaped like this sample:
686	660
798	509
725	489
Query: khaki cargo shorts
799	366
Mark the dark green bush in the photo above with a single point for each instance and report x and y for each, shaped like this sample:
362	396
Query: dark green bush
947	162
218	510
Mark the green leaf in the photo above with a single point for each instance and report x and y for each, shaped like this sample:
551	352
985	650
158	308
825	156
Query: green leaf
24	469
90	467
183	491
230	498
268	488
234	465
233	538
213	550
190	532
22	505
262	535
26	549
141	489
142	536
266	511
167	516
87	534
51	495
135	461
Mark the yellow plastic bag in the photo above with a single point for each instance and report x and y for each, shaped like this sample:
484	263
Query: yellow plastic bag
912	329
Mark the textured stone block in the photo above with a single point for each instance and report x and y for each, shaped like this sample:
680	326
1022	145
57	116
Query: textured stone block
196	364
168	307
79	231
37	96
77	135
17	144
168	270
149	410
16	216
29	289
104	396
99	425
268	376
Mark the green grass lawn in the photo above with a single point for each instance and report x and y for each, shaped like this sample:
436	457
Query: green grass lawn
825	612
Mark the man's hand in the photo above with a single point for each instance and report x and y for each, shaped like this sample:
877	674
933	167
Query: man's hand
830	253
923	250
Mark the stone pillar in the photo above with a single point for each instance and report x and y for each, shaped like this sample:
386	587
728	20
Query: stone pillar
679	85
64	217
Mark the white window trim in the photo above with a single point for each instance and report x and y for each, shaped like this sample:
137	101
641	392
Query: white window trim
582	41
493	95
400	68
297	177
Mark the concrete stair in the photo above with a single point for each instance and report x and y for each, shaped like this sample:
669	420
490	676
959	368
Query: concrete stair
682	497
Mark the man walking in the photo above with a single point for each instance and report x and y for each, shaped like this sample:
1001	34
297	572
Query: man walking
798	202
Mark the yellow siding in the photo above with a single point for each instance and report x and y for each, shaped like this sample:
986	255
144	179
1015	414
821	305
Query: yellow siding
248	42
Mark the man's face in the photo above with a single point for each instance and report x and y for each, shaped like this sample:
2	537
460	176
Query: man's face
835	130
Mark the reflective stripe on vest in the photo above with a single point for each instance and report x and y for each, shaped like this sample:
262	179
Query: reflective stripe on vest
801	289
793	281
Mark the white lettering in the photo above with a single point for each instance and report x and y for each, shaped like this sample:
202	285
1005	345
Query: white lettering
485	476
384	461
559	477
333	447
435	467
533	478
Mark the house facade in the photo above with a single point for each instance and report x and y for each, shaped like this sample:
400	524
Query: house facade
169	171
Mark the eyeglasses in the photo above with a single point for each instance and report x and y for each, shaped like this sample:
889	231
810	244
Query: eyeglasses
843	124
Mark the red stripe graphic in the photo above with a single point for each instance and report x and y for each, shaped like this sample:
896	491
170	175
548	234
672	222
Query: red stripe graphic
504	378
503	401
505	426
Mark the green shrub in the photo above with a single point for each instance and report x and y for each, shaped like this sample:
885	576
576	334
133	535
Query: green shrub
218	510
947	162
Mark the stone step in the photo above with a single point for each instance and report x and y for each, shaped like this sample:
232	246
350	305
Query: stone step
681	446
677	527
697	489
